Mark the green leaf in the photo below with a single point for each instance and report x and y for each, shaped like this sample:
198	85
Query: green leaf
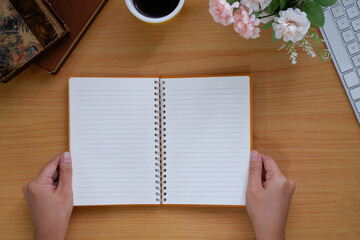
315	13
267	25
325	3
273	6
232	1
285	4
257	13
282	4
273	36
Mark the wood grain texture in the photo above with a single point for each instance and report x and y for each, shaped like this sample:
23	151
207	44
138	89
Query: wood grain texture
302	118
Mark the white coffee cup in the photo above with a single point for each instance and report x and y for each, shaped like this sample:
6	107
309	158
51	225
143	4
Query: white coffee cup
131	6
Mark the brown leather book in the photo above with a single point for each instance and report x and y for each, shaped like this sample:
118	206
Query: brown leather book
28	28
78	16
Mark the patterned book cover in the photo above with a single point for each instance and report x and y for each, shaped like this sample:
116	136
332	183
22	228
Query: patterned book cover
26	30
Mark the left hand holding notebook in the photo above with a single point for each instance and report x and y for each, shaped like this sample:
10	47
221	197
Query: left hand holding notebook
50	198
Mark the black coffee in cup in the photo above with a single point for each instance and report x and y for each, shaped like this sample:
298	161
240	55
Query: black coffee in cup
156	8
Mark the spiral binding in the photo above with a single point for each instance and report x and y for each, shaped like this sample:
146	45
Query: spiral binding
160	141
158	181
163	138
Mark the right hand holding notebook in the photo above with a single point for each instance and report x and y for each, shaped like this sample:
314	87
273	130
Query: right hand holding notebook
268	197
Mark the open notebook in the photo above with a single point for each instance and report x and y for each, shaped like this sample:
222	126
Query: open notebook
160	140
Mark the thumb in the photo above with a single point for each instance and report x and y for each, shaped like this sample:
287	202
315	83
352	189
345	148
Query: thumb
65	172
255	171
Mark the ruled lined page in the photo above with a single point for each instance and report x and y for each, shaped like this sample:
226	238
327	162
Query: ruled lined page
207	140
112	140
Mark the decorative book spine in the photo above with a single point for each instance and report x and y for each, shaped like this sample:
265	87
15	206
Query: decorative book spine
162	116
157	126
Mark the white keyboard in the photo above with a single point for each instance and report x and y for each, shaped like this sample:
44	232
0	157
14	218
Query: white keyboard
341	33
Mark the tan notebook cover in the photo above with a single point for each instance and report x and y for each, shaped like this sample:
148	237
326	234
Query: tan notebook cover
78	15
27	29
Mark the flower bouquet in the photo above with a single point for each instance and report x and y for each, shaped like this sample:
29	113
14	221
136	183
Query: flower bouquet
290	20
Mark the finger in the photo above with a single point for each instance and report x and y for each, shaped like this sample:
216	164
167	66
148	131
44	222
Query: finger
255	170
50	168
56	178
65	172
56	175
292	186
263	175
270	165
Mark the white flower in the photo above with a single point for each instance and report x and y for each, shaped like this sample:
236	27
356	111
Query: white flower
307	48
293	56
292	25
256	5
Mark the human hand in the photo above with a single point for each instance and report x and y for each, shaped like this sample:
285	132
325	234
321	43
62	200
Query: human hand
50	198
268	197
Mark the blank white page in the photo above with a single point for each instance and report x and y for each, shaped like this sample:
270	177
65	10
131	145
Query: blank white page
207	140
112	140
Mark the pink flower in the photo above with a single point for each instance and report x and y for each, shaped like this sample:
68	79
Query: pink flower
222	12
245	23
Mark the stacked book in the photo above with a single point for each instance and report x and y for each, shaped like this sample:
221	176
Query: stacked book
41	31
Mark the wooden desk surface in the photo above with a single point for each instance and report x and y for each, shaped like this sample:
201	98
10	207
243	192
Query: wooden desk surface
302	118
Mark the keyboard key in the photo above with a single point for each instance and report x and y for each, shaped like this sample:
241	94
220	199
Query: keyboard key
357	104
337	11
355	93
358	36
352	12
343	23
356	24
358	3
353	47
347	2
333	37
356	60
351	79
348	36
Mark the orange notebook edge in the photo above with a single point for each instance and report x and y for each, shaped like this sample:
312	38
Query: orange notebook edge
159	77
163	205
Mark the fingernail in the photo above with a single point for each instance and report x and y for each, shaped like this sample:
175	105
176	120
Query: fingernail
67	157
254	155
